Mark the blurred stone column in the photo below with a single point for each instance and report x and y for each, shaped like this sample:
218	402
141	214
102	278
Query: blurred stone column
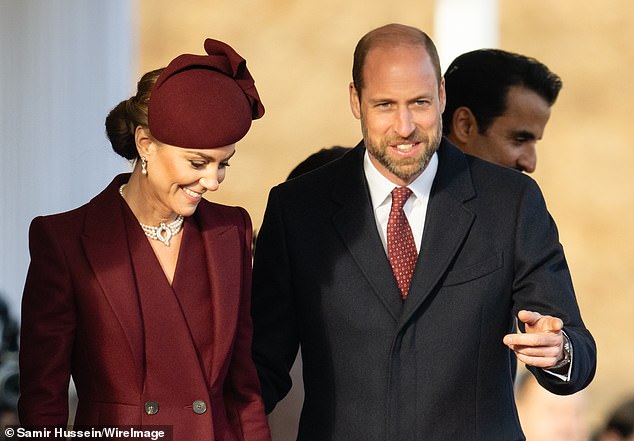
63	65
464	25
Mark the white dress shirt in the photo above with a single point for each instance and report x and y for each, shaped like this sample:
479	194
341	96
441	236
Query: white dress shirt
416	206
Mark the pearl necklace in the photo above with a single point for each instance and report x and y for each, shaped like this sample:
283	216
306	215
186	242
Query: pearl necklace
163	232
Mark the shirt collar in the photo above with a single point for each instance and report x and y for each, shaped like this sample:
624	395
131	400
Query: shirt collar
380	187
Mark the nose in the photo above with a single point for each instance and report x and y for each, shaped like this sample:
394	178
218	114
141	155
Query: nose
211	180
404	124
527	161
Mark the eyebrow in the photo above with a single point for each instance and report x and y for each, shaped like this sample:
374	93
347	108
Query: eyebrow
524	134
211	158
422	96
380	100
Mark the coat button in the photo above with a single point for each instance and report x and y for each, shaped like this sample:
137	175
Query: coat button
151	407
200	407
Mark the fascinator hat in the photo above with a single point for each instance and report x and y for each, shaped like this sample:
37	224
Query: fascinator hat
204	101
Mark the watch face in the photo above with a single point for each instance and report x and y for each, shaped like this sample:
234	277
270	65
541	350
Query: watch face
566	346
566	359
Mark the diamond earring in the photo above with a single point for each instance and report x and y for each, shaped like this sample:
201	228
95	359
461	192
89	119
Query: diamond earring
143	165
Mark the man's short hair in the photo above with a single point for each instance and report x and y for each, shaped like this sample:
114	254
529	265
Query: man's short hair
391	35
480	80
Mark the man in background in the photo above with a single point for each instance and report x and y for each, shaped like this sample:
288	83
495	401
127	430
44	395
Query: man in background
498	104
620	423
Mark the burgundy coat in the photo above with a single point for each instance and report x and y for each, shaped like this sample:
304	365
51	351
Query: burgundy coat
81	317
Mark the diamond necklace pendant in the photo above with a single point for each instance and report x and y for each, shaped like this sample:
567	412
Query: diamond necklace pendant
163	232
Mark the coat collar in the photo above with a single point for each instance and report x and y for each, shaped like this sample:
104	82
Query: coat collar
226	255
106	246
447	225
446	210
357	226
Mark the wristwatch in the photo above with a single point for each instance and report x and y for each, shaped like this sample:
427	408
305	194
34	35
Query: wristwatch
567	354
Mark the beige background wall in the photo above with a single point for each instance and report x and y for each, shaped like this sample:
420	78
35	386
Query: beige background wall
300	55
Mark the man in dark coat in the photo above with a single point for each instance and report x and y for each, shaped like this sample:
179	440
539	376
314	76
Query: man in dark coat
399	346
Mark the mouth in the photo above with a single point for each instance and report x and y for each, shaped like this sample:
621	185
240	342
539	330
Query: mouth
405	148
192	194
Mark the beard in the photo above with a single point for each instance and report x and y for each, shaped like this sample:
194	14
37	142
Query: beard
406	169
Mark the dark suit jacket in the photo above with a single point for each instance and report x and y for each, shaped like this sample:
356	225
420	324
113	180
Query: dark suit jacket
434	366
81	316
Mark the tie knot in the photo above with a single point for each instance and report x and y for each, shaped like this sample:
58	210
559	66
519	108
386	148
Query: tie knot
400	195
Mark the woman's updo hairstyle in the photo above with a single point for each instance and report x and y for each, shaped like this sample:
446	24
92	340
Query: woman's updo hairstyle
122	121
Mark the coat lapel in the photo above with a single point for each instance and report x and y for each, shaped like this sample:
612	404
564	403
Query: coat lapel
447	225
357	226
224	265
106	248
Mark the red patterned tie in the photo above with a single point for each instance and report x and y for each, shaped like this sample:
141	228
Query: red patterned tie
401	248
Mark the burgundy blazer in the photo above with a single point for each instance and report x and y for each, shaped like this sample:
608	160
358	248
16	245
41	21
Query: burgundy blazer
81	317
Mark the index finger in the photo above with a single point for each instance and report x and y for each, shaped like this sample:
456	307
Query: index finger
532	340
551	324
529	317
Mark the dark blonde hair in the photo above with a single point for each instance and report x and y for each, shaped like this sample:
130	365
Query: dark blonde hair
122	121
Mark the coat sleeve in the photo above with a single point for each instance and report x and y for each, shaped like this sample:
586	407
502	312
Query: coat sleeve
242	388
276	338
47	331
542	283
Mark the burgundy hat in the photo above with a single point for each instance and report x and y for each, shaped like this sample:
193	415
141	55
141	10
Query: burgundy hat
204	101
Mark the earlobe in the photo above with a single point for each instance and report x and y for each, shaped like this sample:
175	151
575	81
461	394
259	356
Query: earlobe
355	105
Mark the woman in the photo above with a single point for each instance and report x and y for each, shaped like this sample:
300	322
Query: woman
142	294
